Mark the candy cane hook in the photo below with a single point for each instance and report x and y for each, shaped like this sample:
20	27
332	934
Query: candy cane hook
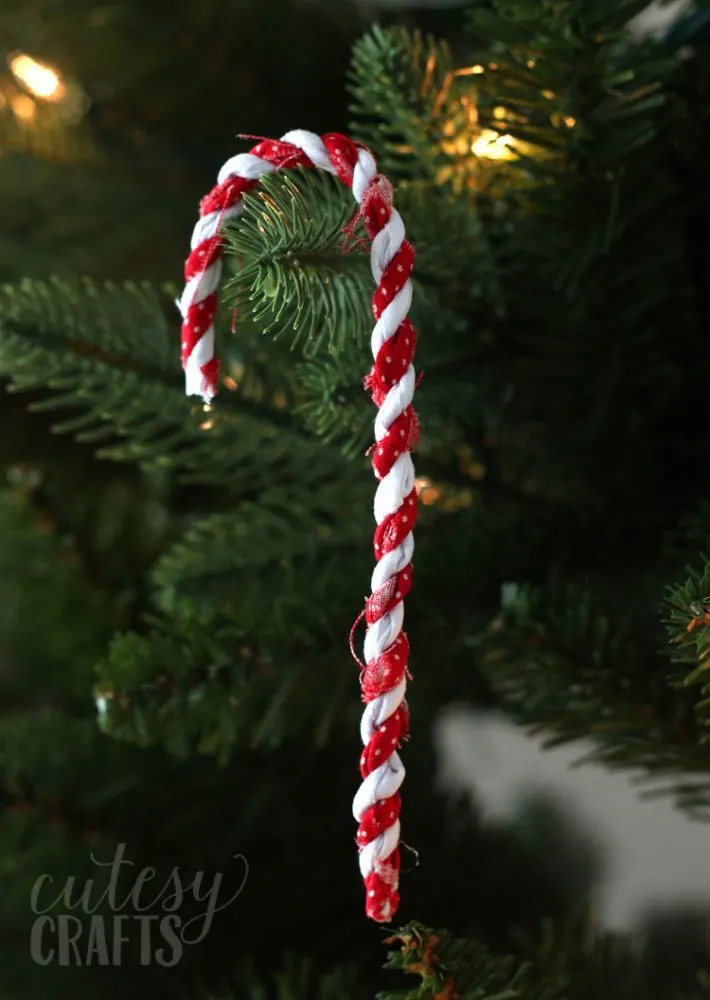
391	382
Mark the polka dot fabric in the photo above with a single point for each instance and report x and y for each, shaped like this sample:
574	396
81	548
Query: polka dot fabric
391	383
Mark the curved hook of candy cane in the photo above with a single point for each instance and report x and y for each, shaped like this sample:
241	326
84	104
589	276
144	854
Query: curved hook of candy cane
392	379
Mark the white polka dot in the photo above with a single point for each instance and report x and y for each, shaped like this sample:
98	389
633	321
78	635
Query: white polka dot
396	656
371	892
377	752
398	594
401	433
404	518
396	454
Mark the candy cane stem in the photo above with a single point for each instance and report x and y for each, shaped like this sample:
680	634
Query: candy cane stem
391	383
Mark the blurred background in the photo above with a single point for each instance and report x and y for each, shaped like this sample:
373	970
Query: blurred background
114	120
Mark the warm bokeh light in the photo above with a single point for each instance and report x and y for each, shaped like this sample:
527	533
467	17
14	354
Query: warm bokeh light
40	80
559	120
493	146
207	408
23	107
426	491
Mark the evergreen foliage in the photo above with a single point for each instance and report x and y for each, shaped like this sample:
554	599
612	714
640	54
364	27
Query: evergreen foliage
177	582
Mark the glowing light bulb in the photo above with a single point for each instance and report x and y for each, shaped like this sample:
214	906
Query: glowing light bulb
40	80
491	146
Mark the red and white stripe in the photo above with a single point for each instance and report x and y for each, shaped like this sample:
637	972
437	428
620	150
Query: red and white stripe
391	382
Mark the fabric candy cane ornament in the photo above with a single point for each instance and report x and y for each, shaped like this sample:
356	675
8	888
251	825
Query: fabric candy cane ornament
391	383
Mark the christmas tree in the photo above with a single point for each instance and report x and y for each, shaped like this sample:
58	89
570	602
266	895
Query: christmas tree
179	735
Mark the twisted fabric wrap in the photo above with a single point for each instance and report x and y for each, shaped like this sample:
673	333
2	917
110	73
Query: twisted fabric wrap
391	383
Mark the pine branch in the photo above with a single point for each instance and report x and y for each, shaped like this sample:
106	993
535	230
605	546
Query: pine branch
400	82
211	683
293	269
458	390
291	273
566	961
578	123
221	549
566	667
109	356
53	621
687	619
296	979
582	218
125	322
451	967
